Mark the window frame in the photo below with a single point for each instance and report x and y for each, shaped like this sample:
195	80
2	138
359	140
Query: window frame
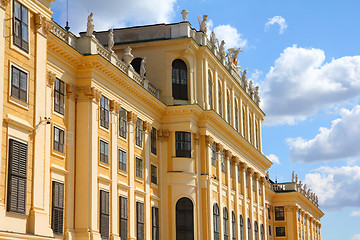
104	212
59	94
155	223
153	137
58	145
183	144
280	233
23	44
210	90
122	165
179	76
279	213
139	132
57	207
123	217
123	123
233	221
216	219
241	223
226	223
13	87
139	172
154	179
104	157
140	221
104	112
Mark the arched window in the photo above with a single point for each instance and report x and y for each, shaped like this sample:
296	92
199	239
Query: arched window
213	155
209	90
233	221
184	219
241	228
219	98
249	229
250	129
179	80
262	232
228	106
216	214
256	230
244	122
236	123
136	63
226	225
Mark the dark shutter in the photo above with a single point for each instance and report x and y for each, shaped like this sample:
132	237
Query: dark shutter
104	214
123	218
140	233
17	177
57	217
155	223
179	80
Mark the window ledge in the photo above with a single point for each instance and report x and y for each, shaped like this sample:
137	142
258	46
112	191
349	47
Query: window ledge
19	103
122	172
59	154
102	164
21	123
156	186
140	180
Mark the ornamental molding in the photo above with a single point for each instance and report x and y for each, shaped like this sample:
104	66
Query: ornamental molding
91	92
228	154
51	77
209	140
4	3
131	117
163	135
147	126
42	23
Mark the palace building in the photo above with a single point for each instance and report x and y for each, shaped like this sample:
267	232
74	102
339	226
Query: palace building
147	132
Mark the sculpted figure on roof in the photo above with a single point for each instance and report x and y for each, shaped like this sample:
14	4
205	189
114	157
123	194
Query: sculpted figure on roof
90	25
203	25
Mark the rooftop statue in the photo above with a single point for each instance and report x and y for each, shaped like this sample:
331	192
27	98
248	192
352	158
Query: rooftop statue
244	78
213	40
90	25
111	40
143	67
293	177
232	56
251	87
203	25
222	49
257	98
127	57
184	14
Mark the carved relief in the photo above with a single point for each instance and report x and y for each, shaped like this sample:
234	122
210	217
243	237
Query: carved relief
209	140
163	135
147	126
228	154
51	77
42	22
131	117
90	92
235	159
219	147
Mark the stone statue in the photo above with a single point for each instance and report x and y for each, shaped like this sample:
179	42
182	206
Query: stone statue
300	186
308	192
232	56
257	98
127	57
111	40
203	25
293	177
267	175
143	67
90	25
184	14
251	87
244	78
213	40
305	188
222	49
296	178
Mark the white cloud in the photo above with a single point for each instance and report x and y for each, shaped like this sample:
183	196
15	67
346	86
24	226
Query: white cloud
356	237
256	75
231	36
279	20
339	142
273	158
355	214
114	13
300	84
336	187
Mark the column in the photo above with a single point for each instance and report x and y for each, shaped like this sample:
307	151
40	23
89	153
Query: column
228	156
147	178
164	193
219	149
256	179
262	182
236	176
209	210
39	212
86	175
131	119
114	209
243	168
250	174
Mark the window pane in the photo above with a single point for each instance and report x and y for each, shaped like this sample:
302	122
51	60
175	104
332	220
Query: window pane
24	15
23	81
15	76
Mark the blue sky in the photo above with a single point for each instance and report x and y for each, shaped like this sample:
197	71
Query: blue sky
305	57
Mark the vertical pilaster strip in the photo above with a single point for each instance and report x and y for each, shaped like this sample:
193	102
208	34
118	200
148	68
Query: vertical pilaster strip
131	119
250	176
219	150
147	177
237	212
245	214
164	189
209	210
228	156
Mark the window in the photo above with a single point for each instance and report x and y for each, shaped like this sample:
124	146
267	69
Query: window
280	231
104	152
249	228
231	169
259	186
239	173
18	84
122	123
213	155
256	132
236	121
216	214
104	112
58	144
279	214
104	214
226	223
256	230
153	174
244	122
228	106
250	129
20	26
122	160
269	215
184	219
123	202
155	223
222	159
262	232
139	167
57	211
209	91
17	177
179	80
233	221
153	141
140	229
59	96
253	183
269	230
183	144
219	98
139	132
241	227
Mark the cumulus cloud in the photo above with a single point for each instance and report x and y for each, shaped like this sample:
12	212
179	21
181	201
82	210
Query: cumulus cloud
300	84
336	187
114	13
356	237
273	158
339	142
231	36
355	214
278	20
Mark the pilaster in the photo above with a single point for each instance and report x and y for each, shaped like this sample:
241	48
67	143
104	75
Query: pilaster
243	169
228	156
209	210
147	177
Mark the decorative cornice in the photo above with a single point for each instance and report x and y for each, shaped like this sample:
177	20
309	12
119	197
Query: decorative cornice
42	22
209	140
4	3
163	135
51	77
90	92
131	117
147	126
219	147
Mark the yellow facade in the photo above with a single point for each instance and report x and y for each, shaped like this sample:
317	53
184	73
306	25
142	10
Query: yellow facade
108	153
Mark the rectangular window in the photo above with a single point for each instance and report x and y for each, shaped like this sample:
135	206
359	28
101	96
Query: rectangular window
104	112
213	155
20	26
104	214
57	211
104	152
17	177
122	123
269	230
155	223
153	141
19	80
231	169
239	174
269	215
123	202
140	233
122	160
139	132
139	167
59	96
183	144
280	231
153	174
58	144
279	214
222	158
259	184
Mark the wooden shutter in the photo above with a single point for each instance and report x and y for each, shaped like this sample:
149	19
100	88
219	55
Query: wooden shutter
57	218
123	218
155	223
17	176
104	214
140	221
